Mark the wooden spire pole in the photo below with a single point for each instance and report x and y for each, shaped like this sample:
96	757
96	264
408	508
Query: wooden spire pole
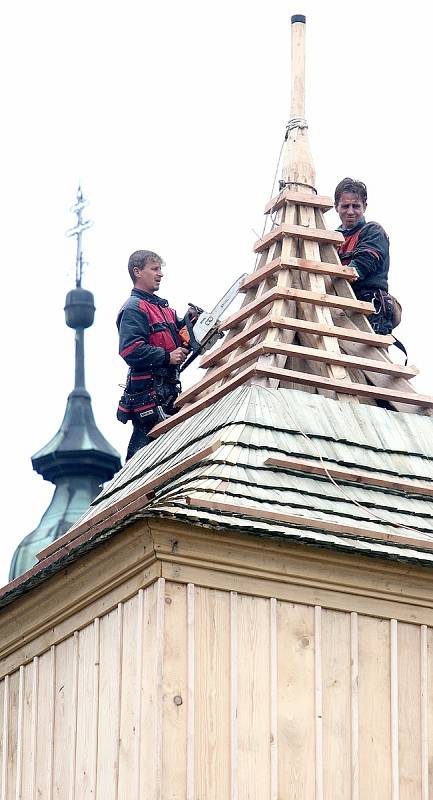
298	167
297	109
295	327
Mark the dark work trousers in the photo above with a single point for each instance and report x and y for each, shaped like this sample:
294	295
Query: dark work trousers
138	439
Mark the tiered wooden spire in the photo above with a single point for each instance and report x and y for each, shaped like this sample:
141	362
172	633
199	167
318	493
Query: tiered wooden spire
300	325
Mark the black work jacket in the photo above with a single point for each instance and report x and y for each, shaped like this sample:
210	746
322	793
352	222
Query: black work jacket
148	332
366	247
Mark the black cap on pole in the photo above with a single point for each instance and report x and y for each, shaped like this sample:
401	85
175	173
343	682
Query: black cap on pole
298	18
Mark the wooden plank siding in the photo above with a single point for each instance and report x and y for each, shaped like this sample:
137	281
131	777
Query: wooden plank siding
190	692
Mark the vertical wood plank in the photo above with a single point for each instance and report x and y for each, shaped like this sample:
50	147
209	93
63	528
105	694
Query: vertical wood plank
119	621
52	719
109	676
4	740
148	692
44	731
74	712
139	670
273	698
20	734
409	718
12	734
430	710
87	715
64	713
296	688
354	705
130	634
424	712
174	694
375	778
212	696
95	707
336	679
318	701
34	729
27	741
394	711
159	662
234	695
253	722
190	740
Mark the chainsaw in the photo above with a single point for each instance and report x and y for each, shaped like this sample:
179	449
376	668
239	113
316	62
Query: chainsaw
200	335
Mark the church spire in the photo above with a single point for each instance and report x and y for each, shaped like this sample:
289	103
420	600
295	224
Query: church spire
301	325
78	458
298	167
78	230
79	307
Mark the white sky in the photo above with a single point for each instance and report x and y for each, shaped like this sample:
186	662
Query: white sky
172	117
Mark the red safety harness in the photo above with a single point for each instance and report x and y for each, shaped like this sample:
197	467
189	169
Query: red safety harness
162	322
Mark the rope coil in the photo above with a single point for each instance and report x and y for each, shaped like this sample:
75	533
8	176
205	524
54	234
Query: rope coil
296	122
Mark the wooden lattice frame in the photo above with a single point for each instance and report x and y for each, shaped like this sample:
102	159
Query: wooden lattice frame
300	324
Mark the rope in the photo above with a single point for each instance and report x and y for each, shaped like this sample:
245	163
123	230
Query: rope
296	122
347	497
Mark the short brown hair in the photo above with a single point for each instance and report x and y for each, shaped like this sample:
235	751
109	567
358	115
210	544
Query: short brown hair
349	185
140	258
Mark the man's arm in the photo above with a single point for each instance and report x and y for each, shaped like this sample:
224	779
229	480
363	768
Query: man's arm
371	250
134	344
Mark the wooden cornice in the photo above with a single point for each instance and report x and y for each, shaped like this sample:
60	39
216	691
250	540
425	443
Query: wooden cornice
152	549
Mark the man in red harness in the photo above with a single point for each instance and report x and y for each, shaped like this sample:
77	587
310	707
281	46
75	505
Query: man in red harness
149	342
366	249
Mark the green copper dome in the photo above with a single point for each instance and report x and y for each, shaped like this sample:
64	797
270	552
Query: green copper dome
78	459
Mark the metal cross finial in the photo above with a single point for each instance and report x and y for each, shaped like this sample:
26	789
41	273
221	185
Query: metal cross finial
80	227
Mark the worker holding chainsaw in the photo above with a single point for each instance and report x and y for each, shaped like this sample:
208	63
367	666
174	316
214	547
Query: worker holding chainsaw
153	348
157	346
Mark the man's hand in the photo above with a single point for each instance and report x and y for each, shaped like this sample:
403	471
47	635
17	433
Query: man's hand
193	312
178	356
352	265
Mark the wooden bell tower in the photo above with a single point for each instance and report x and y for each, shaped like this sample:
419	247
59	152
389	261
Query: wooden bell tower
245	612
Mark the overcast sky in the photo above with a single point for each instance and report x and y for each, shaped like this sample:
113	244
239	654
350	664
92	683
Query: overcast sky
172	115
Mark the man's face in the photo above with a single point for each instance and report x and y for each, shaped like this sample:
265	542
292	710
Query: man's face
350	209
149	277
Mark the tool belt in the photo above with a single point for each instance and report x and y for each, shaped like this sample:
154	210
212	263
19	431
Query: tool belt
387	314
151	405
387	310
